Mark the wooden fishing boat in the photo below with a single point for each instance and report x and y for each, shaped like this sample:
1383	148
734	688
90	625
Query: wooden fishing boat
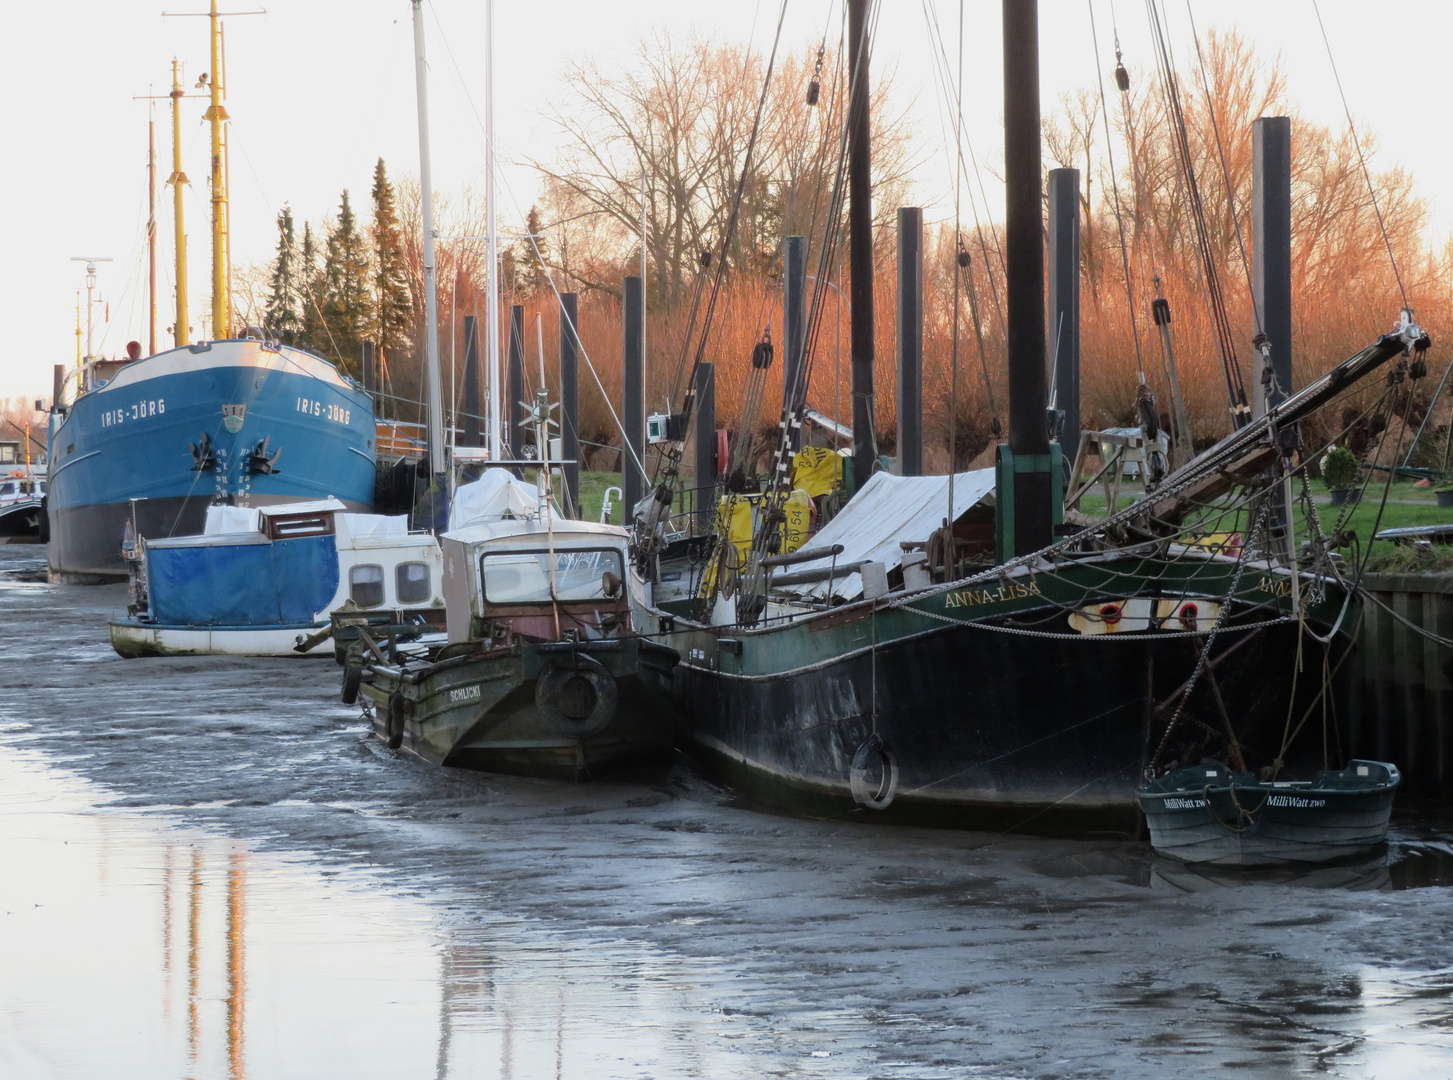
544	672
1208	814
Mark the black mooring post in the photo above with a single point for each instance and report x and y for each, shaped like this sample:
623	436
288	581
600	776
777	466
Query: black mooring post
472	410
1064	305
1271	263
633	392
794	325
515	437
706	459
910	341
860	243
569	399
1271	240
1028	481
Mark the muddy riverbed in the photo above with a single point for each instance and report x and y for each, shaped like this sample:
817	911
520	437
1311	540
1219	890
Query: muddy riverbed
208	869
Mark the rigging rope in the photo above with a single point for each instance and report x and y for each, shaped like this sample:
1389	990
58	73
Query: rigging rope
1225	171
941	68
1356	142
1215	297
1115	188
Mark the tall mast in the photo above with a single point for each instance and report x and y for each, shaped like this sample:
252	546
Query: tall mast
431	300
151	234
491	242
217	114
860	240
176	180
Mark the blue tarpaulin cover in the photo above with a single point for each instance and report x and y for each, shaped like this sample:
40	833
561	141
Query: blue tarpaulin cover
242	580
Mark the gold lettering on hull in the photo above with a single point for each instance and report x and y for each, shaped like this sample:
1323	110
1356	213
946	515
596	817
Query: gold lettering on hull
1010	590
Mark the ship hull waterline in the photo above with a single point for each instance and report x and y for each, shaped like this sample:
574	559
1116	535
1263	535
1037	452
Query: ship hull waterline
481	713
134	639
986	729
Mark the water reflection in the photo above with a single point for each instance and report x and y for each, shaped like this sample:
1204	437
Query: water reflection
1173	876
136	947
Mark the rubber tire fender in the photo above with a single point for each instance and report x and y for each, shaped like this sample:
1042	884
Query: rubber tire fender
352	678
550	688
395	720
863	794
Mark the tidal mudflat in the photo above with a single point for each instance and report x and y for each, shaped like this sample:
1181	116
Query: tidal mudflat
209	870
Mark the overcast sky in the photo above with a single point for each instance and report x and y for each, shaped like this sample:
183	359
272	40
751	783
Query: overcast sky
320	89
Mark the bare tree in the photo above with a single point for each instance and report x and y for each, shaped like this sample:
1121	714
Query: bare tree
682	117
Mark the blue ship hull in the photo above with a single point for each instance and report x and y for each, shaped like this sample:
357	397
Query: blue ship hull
179	431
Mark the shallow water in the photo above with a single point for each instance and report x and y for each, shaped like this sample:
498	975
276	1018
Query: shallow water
211	871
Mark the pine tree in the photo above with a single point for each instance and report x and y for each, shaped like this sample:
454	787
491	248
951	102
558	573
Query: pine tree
314	336
282	320
534	276
345	268
394	302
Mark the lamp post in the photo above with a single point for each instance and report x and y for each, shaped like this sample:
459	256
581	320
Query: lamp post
90	262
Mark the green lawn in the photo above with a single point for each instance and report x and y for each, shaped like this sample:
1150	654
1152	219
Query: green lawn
1407	506
593	486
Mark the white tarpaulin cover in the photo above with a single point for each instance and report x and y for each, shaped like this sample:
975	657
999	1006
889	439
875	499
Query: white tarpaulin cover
359	526
887	510
495	496
231	519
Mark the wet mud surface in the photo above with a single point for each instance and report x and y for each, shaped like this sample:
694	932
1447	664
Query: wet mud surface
209	869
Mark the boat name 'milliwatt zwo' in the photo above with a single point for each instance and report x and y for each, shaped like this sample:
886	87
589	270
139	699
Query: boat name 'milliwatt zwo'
1010	590
1295	801
1184	804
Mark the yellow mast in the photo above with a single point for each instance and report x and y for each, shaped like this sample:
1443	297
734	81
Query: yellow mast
176	180
217	114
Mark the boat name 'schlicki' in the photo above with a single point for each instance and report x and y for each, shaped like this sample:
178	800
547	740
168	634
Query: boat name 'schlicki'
1184	804
1010	590
139	411
1297	801
465	693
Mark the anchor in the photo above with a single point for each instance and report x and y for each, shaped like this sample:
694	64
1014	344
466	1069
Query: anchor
203	459
258	463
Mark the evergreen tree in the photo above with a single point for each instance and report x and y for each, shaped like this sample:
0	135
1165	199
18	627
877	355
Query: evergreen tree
282	320
394	302
347	308
313	284
533	276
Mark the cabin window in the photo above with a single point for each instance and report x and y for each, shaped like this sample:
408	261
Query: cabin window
365	585
288	526
411	582
523	577
7	488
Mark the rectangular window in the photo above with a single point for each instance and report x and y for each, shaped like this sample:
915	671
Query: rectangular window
523	577
365	585
411	582
287	526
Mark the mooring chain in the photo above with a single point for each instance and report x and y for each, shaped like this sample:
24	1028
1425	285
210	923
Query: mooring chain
1253	539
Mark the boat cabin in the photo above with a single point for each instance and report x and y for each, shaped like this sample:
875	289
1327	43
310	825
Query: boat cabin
514	578
288	565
